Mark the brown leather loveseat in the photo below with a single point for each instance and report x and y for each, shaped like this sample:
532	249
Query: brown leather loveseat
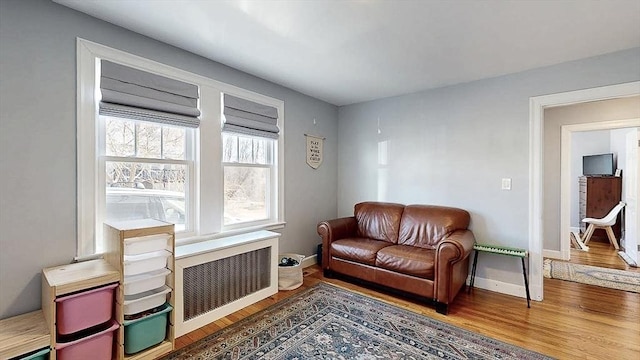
419	249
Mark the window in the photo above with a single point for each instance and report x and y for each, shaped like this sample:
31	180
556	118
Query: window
248	169
132	164
147	171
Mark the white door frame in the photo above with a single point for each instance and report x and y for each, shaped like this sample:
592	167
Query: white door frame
565	172
536	130
632	190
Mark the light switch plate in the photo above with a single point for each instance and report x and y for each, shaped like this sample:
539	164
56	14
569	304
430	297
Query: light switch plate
506	184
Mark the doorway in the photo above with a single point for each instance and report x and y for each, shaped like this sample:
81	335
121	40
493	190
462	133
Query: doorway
615	134
536	155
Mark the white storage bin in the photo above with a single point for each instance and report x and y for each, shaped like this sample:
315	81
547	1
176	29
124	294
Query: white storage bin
144	282
145	244
138	264
134	304
290	277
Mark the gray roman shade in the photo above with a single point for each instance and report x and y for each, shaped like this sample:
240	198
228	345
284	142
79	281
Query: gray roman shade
135	94
249	118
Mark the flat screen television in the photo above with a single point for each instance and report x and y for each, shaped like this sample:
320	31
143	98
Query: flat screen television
598	165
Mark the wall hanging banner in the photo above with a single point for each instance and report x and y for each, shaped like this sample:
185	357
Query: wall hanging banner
314	150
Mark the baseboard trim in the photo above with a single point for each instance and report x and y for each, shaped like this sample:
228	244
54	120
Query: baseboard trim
309	261
555	254
627	259
500	287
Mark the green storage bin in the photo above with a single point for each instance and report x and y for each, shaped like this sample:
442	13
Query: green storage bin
37	355
145	332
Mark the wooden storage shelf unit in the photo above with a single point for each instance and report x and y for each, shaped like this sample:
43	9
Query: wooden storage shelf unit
22	334
66	279
598	195
115	235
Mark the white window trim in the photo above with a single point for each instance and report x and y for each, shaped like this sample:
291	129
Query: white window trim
87	136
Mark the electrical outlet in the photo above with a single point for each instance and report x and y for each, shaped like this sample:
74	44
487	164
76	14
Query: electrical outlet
506	184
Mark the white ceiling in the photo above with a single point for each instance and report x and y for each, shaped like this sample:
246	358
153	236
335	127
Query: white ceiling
351	51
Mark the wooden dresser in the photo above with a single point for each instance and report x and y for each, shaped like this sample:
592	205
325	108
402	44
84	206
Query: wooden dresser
598	195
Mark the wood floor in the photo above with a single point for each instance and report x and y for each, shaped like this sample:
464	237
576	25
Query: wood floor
574	321
600	254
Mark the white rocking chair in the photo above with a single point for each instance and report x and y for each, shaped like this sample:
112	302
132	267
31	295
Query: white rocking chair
604	223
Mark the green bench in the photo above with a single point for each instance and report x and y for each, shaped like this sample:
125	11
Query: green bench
503	250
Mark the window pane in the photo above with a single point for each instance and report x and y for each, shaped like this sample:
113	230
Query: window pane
229	148
173	142
140	191
149	141
245	150
245	194
259	151
120	137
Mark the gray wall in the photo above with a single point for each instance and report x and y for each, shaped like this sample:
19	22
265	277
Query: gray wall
452	146
38	141
554	119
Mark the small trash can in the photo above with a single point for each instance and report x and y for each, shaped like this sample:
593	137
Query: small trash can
289	277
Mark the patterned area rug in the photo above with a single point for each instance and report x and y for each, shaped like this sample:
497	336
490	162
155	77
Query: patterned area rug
591	275
326	322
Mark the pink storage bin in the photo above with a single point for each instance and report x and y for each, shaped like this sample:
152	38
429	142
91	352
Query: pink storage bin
84	309
98	346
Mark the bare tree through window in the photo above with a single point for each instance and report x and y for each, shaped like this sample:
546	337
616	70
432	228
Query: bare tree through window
148	159
247	175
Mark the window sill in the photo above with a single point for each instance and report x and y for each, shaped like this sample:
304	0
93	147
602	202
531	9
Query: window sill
211	242
220	242
194	240
223	234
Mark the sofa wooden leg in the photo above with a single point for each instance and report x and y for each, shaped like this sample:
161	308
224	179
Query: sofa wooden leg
442	308
328	273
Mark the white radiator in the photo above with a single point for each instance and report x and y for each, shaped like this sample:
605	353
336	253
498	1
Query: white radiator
219	277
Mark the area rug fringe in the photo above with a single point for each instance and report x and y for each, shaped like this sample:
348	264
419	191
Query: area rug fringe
328	322
592	275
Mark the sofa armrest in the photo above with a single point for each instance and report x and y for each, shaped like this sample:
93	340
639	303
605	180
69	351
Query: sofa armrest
450	265
335	229
456	246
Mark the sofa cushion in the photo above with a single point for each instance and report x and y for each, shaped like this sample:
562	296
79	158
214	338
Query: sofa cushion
379	221
408	260
426	225
360	250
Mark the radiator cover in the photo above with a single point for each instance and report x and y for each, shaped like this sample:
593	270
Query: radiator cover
211	285
217	278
